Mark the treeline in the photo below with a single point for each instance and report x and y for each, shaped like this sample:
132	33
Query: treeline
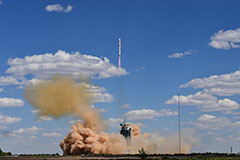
39	155
5	153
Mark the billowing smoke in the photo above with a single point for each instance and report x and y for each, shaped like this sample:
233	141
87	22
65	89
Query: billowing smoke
84	140
155	143
62	96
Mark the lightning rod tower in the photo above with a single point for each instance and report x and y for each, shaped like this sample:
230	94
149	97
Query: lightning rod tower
179	125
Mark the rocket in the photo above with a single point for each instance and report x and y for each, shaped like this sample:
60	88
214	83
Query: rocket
126	129
119	53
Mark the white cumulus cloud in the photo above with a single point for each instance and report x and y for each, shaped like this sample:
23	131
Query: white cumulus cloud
68	9
3	127
210	122
98	94
226	39
11	102
52	134
102	110
114	122
1	89
41	118
75	121
4	119
58	8
206	102
126	106
46	65
44	118
9	80
33	137
180	54
222	85
30	130
149	114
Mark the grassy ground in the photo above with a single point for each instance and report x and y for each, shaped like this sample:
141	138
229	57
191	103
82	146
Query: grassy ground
203	158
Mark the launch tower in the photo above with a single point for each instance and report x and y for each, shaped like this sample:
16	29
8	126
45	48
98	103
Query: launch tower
126	130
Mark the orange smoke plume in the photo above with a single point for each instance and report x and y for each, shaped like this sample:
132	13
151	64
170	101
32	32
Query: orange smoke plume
61	96
84	140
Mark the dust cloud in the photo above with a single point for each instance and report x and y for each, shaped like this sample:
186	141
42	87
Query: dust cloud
61	96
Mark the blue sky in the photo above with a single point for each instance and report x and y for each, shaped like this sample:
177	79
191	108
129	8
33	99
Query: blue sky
165	45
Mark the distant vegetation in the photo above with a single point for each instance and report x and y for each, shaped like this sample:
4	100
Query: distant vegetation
193	156
142	154
39	155
5	153
202	158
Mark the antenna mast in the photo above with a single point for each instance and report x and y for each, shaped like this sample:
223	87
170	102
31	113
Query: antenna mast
179	125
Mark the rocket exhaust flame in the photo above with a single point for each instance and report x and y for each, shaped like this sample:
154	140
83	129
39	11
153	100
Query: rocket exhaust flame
62	96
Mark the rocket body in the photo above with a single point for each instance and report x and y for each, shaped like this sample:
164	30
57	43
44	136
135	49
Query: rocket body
119	53
119	61
119	47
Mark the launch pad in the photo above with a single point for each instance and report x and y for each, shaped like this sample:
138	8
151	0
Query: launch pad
126	129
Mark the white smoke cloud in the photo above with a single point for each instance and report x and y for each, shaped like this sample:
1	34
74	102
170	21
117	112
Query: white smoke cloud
46	65
11	102
206	102
222	85
58	8
4	119
149	114
226	39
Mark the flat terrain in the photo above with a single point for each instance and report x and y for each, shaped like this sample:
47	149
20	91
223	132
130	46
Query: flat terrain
150	157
